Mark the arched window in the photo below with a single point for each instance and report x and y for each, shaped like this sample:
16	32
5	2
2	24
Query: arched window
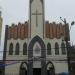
17	49
63	48
11	49
56	49
36	49
25	49
49	49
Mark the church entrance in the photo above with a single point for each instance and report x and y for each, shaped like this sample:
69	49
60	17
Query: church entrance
23	69
36	50
36	71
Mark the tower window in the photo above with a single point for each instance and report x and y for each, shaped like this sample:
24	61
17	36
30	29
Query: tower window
11	49
17	49
56	49
49	49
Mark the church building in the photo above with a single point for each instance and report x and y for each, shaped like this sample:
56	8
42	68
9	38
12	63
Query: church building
35	47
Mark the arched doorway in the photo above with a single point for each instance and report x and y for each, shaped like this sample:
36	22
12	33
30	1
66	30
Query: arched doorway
36	46
23	69
50	69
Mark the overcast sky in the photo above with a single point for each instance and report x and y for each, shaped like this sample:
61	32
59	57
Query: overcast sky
14	11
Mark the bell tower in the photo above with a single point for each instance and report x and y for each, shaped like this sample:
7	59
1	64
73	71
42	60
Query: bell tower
36	18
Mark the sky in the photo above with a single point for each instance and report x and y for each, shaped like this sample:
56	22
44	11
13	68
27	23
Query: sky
14	11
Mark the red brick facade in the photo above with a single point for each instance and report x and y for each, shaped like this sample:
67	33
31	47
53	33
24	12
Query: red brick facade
19	31
53	30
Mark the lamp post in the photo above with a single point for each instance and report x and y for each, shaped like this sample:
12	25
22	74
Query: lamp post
67	30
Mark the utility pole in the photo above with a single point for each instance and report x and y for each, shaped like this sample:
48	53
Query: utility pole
67	38
1	20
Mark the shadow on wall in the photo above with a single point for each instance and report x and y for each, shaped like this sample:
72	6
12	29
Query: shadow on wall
63	73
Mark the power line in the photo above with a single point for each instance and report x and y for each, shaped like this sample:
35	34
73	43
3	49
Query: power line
40	49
